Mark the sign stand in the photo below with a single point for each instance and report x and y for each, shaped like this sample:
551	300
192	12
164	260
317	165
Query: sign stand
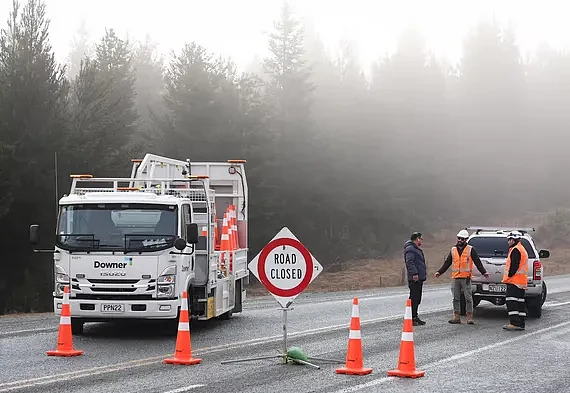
284	356
285	268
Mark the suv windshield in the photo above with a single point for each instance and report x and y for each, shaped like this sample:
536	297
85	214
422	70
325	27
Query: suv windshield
496	247
117	226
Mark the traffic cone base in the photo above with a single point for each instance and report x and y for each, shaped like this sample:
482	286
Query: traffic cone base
354	371
354	362
64	337
183	362
407	359
406	374
67	353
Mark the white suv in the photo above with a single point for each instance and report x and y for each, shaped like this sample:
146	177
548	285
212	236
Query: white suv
492	247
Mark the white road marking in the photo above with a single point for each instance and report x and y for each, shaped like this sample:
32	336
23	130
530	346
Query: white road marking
8	386
462	355
35	330
185	389
51	379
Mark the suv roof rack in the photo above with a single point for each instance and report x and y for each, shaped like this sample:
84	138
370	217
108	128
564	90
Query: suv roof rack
479	229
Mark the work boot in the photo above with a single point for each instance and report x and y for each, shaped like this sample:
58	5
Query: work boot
512	327
470	318
417	322
456	318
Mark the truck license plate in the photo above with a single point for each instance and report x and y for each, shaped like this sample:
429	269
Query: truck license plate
113	308
497	288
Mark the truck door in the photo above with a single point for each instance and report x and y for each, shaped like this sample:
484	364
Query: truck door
200	257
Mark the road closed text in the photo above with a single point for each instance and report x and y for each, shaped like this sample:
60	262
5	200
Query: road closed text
284	267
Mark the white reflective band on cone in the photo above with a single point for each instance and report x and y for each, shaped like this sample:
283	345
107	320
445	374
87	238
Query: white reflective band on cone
65	321
184	305
354	334
408	313
407	336
66	298
225	236
184	326
355	312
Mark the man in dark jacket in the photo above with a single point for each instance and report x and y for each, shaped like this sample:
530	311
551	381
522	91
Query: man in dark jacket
417	273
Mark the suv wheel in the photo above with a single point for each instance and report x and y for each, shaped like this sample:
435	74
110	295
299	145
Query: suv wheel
476	301
534	307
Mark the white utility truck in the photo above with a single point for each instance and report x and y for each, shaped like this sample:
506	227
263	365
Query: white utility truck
128	247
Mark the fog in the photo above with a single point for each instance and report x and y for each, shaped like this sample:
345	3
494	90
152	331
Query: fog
360	123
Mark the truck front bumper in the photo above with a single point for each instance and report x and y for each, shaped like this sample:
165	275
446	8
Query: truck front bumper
103	310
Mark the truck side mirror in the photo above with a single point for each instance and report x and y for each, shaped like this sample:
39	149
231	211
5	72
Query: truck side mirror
180	244
544	254
34	234
192	233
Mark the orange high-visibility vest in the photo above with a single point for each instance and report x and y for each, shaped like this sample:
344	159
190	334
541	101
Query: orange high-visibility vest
462	265
521	276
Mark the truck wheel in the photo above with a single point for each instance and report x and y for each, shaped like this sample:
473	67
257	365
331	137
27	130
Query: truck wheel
76	326
544	291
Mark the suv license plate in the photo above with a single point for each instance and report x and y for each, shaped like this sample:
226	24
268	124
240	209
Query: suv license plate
113	308
497	288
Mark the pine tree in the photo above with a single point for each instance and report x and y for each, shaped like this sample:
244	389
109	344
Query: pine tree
80	48
33	92
103	109
149	87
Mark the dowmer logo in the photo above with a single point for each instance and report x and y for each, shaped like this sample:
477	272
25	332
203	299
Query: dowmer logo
109	265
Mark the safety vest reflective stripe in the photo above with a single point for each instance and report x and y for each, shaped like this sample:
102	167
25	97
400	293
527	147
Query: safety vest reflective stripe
521	276
462	265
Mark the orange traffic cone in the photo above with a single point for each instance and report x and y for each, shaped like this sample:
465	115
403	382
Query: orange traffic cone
183	351
354	364
407	359
233	215
64	338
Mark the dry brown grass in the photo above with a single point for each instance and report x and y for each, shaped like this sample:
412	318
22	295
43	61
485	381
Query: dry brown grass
377	273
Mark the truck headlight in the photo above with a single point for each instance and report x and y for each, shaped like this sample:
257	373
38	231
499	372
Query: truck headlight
166	282
61	280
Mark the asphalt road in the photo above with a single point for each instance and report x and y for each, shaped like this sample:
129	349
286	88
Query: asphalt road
128	357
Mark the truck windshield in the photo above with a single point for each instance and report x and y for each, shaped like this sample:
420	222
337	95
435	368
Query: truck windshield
496	247
128	227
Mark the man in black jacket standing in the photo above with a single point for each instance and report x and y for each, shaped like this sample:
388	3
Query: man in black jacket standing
417	273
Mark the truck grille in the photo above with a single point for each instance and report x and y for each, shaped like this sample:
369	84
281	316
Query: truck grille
114	289
86	296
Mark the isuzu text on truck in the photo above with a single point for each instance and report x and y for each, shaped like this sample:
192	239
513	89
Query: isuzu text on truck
128	247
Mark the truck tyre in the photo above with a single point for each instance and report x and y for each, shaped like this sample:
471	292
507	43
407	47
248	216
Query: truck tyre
76	326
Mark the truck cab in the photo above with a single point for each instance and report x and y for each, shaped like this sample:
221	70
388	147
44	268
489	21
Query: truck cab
128	247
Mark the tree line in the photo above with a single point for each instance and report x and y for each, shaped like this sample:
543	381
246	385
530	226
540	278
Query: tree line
351	163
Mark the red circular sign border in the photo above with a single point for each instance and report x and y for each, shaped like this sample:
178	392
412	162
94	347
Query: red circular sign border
261	267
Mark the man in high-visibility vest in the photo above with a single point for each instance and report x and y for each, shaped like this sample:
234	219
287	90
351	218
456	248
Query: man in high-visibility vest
461	258
515	276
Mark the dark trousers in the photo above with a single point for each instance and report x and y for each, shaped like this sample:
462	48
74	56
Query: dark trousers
416	288
516	305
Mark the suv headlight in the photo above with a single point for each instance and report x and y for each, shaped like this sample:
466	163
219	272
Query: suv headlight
166	282
61	280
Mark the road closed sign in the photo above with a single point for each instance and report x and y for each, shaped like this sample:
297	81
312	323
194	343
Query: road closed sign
285	267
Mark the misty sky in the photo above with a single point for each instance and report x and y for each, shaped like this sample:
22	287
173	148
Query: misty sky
239	28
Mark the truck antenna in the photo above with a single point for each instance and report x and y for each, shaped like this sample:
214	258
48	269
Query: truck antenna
56	188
